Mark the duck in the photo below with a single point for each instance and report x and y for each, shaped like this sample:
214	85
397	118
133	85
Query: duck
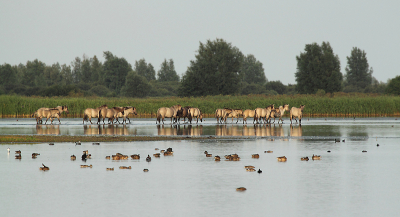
259	171
148	158
329	151
316	157
44	167
208	155
96	143
269	151
168	153
205	152
217	158
156	149
135	156
18	152
108	157
156	155
73	157
241	189
364	150
250	170
304	159
376	145
78	143
86	166
255	156
282	159
34	155
110	169
145	170
125	167
162	151
249	167
18	156
51	143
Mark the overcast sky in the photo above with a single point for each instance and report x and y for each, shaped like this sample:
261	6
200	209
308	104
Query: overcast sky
275	32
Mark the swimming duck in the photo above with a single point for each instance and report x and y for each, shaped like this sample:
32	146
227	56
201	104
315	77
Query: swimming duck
208	155
205	152
250	170
217	158
51	143
255	156
249	167
162	151
329	151
168	153
18	156
110	169
145	170
316	157
376	145
269	151
44	167
156	155
135	156
86	166
34	155
18	152
259	171
78	143
96	143
108	157
282	159
304	158
148	158
156	149
73	157
364	151
241	189
125	167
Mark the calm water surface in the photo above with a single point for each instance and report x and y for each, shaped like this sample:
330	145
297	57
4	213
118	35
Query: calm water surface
345	182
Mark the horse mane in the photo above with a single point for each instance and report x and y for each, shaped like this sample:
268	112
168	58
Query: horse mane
119	109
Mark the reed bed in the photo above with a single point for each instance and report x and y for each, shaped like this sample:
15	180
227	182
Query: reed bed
337	104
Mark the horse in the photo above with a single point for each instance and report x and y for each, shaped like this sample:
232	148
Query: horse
195	113
296	112
40	112
235	114
92	113
263	113
222	114
184	113
248	113
165	112
279	112
52	113
127	110
111	114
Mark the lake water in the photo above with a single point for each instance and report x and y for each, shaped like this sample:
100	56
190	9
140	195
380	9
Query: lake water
345	182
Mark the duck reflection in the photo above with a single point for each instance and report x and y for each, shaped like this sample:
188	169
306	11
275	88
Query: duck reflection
47	129
296	131
105	130
175	130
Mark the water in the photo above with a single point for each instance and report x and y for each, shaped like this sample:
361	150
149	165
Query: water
345	182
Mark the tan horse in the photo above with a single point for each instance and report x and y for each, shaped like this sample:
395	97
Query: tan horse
222	114
40	113
111	114
248	113
92	113
196	113
296	112
51	113
236	114
127	110
263	113
279	112
165	112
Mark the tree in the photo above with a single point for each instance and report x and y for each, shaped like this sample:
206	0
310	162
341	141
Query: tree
76	70
97	70
7	75
252	70
34	73
145	70
276	86
86	70
136	85
215	70
318	68
393	86
358	73
167	72
115	71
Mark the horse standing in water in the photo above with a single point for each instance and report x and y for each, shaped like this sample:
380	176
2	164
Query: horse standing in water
90	113
165	112
296	112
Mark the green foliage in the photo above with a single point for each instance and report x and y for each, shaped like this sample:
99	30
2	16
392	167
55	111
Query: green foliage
136	85
252	70
115	71
99	90
167	72
7	74
33	75
276	86
145	70
393	86
358	73
318	68
253	89
215	70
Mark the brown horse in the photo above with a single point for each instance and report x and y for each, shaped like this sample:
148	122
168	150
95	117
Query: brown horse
184	113
92	113
111	114
296	112
222	114
279	112
165	112
263	113
248	113
40	113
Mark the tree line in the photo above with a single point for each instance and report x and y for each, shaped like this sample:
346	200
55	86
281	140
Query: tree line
219	68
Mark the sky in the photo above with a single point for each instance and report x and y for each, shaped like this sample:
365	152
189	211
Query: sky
275	32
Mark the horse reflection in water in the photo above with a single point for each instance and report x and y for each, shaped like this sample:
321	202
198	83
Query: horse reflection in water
47	130
175	130
106	130
296	131
255	130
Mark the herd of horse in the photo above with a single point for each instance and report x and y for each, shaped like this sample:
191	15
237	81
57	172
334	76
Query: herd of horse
176	112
